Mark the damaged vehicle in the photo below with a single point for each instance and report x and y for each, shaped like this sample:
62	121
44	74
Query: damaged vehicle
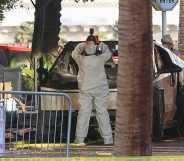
167	86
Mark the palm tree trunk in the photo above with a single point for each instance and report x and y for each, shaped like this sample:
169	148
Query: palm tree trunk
134	113
181	27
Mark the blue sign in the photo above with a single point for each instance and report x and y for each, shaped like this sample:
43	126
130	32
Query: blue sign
164	5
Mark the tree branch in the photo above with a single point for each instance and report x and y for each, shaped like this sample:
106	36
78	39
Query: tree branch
33	3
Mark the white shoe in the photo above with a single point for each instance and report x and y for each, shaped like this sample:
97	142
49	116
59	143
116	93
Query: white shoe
79	142
108	141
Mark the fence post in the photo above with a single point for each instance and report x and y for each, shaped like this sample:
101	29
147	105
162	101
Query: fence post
2	128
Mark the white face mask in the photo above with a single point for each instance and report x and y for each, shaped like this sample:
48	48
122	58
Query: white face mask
90	47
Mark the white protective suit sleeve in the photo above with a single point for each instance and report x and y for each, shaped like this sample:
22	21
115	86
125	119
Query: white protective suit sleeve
106	53
76	54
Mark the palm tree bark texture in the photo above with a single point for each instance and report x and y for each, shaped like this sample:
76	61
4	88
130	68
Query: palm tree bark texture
134	101
181	27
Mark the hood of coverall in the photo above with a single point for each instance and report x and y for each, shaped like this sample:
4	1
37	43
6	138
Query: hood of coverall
91	42
90	47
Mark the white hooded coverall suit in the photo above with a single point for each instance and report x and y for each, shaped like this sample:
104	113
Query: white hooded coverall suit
94	91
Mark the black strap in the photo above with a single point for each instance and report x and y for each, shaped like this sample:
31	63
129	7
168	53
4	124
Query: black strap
98	52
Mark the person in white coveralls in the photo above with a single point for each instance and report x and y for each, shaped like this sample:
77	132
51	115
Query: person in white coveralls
91	57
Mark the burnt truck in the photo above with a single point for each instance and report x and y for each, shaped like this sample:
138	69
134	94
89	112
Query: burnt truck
167	87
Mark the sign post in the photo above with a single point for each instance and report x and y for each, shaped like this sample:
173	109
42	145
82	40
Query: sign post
164	5
164	23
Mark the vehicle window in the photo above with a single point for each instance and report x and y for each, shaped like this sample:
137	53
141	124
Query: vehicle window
111	70
67	65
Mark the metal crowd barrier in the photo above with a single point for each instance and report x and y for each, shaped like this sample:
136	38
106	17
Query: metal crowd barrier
33	123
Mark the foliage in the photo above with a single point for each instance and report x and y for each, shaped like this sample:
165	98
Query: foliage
28	73
6	5
27	78
9	4
24	33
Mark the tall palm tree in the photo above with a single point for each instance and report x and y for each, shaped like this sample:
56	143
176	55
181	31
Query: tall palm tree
181	27
133	119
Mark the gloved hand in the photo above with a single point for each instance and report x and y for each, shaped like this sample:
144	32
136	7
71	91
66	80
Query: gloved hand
98	51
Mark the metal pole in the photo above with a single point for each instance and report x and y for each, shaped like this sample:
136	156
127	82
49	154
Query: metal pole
35	81
35	75
69	129
164	23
